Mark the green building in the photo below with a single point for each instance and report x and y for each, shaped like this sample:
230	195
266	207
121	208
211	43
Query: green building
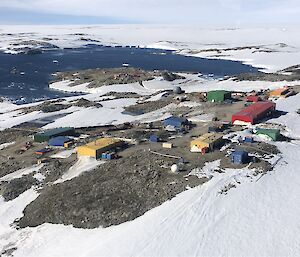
218	96
51	133
274	134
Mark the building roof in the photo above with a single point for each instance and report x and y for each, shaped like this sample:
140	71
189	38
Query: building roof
255	109
279	91
239	152
219	91
44	150
177	119
59	140
253	98
101	143
209	137
52	132
262	130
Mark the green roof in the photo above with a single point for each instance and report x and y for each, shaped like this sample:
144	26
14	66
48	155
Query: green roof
56	131
261	130
219	91
272	133
218	95
46	135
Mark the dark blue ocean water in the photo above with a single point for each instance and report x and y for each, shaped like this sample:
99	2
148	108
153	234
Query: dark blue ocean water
25	77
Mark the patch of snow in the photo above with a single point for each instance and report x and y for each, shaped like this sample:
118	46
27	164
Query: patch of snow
3	146
39	176
83	164
156	97
9	212
63	154
207	171
202	118
163	45
17	117
65	86
6	106
189	104
22	172
112	113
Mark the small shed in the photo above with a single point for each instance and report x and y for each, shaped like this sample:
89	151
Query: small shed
68	144
59	141
218	96
43	151
176	122
240	157
249	139
274	134
167	145
154	138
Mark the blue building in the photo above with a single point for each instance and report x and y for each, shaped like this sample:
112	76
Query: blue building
175	122
240	157
154	138
249	139
59	141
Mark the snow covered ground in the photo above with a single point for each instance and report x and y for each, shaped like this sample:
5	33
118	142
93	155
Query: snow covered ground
290	105
272	48
258	216
112	111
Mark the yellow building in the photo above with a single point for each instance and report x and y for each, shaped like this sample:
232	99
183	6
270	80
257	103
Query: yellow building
280	92
96	148
208	140
68	144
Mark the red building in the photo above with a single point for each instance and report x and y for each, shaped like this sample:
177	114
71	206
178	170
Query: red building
254	113
253	98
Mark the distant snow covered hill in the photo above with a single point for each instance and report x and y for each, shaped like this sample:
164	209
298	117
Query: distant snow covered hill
271	48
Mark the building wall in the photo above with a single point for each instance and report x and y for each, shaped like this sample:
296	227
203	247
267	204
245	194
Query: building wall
216	143
253	115
209	140
218	96
40	138
96	152
199	144
272	134
86	151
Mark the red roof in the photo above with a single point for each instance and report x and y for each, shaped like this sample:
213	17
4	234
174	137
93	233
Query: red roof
253	98
254	112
